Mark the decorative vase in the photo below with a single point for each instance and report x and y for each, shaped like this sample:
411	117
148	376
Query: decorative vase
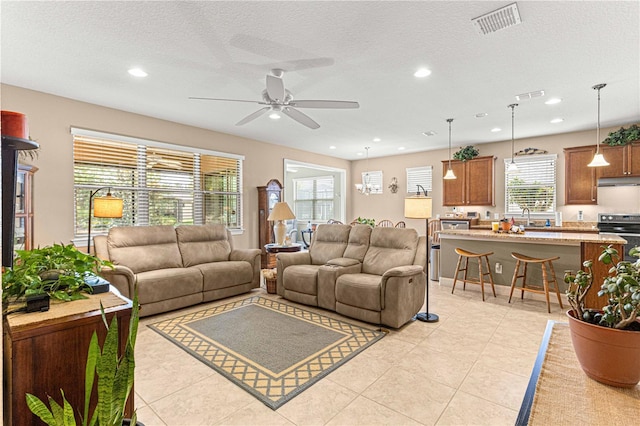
14	124
607	355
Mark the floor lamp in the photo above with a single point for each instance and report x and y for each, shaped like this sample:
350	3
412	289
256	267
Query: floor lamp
420	207
107	206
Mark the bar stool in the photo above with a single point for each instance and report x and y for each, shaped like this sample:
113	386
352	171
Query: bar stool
466	255
548	276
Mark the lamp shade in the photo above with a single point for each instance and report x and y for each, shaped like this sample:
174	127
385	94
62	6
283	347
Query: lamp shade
449	175
598	161
281	211
418	207
108	206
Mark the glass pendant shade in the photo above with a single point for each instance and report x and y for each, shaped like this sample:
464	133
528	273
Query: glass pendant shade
513	167
598	158
449	175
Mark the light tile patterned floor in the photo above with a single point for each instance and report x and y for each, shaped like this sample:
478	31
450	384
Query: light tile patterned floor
470	368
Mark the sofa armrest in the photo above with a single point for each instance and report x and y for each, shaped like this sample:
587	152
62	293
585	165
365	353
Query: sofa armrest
284	260
343	261
121	277
400	276
403	271
248	255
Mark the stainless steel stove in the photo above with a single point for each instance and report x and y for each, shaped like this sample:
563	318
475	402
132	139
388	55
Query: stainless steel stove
626	226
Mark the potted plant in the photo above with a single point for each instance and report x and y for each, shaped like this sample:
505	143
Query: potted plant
466	153
623	136
113	386
364	221
58	271
607	341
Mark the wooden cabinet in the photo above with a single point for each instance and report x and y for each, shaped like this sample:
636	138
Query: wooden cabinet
474	185
623	161
44	352
268	196
591	251
580	179
23	237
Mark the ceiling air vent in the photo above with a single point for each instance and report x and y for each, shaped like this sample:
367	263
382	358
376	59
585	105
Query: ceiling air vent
529	95
499	19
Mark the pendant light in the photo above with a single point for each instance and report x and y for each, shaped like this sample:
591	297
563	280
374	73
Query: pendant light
449	174
598	159
513	167
365	187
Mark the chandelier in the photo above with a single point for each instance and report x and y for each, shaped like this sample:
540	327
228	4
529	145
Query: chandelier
366	187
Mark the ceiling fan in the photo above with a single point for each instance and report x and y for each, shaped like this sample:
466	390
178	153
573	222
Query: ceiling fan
278	99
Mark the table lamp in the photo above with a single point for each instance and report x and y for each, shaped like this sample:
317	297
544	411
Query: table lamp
280	212
420	207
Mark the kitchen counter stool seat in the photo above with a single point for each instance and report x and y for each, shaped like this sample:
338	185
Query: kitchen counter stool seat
463	257
548	277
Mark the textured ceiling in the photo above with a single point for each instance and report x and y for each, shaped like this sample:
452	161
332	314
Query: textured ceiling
360	51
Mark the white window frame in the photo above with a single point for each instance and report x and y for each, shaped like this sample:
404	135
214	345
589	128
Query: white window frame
422	175
533	165
315	199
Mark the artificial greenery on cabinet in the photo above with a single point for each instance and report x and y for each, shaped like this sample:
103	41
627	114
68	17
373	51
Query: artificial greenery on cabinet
623	136
466	153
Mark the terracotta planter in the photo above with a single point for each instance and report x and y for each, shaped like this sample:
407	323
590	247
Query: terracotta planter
605	354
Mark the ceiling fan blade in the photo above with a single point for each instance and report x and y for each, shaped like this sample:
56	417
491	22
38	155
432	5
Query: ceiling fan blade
324	104
275	88
300	117
253	116
227	100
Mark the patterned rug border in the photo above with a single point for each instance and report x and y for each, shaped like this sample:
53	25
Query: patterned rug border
270	388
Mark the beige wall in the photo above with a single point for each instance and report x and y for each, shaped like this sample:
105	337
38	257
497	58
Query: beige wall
391	206
50	118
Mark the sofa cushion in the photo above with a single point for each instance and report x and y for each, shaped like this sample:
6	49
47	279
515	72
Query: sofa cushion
225	274
388	248
360	290
358	242
164	284
203	244
302	278
329	242
144	248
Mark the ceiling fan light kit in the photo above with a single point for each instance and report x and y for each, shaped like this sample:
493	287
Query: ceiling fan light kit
279	100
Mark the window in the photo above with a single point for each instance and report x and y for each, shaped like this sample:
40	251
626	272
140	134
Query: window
161	184
313	198
419	176
533	186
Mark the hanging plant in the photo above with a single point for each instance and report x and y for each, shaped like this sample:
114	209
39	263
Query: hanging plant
623	136
466	153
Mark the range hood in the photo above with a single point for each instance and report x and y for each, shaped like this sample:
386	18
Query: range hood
619	181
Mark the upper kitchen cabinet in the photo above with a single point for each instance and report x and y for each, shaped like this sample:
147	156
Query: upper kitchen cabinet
623	161
474	185
580	179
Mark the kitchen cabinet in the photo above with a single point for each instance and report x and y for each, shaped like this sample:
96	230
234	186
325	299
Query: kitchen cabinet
580	180
623	161
474	185
268	196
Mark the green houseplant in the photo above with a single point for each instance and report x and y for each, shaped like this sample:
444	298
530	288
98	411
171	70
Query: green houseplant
58	271
113	386
607	341
370	222
466	153
623	136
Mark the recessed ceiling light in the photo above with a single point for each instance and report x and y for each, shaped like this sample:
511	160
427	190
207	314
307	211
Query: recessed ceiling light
359	154
481	115
553	101
430	133
557	120
137	72
496	129
422	72
377	139
332	147
401	148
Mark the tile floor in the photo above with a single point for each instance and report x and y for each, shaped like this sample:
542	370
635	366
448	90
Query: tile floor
470	368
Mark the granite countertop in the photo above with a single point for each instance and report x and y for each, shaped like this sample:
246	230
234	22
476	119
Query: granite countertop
567	226
565	238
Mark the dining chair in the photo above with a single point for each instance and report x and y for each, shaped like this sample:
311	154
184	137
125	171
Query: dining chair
385	224
401	224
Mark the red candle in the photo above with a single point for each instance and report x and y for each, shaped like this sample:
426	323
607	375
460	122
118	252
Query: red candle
15	124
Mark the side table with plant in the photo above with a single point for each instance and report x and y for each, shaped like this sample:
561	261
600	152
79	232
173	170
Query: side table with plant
607	341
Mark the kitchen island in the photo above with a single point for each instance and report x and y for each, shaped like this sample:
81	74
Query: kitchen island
573	248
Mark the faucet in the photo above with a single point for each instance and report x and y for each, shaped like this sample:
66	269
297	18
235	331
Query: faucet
528	215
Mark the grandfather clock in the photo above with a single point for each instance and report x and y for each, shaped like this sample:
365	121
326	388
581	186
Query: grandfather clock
268	196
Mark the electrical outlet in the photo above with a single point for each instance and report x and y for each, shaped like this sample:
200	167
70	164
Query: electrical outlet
498	268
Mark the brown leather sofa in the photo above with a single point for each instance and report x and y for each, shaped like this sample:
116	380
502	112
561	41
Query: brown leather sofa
371	274
177	267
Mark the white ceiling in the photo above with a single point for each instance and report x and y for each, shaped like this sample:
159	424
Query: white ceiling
361	51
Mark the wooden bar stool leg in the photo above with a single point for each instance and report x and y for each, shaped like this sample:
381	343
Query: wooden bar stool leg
514	279
455	277
481	276
555	282
524	280
493	289
466	270
545	285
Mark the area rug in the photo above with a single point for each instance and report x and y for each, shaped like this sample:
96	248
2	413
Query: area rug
563	395
271	349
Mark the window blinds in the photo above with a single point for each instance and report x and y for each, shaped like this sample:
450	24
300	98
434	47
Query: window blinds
419	176
533	186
